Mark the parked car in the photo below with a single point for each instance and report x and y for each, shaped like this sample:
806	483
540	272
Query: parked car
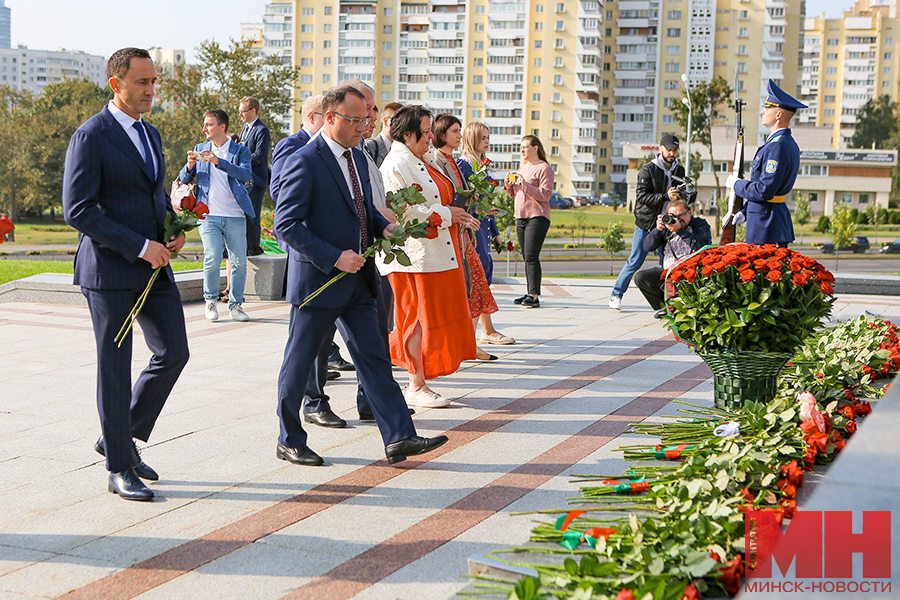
557	201
891	247
611	200
859	244
571	200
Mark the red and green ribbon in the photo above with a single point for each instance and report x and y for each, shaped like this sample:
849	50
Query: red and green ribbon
672	452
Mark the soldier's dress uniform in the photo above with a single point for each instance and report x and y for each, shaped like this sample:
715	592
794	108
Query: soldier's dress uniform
772	175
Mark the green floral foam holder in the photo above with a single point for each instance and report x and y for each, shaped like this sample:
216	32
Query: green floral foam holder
745	376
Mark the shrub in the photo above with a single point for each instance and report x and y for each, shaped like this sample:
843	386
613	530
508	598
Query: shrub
823	225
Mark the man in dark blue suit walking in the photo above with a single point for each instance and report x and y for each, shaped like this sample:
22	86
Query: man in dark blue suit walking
113	194
325	214
256	137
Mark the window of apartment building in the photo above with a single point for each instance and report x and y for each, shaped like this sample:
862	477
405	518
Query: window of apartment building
306	45
306	62
536	132
744	15
326	61
670	85
673	32
538	44
602	135
478	45
477	79
830	84
476	97
476	114
306	29
306	79
829	98
327	10
863	198
478	62
535	97
561	7
887	56
557	98
327	45
886	71
537	62
670	50
558	62
326	78
742	51
828	112
813	197
668	102
537	80
776	29
387	46
560	26
742	32
556	116
885	84
742	67
604	101
539	8
602	152
557	80
326	28
535	115
888	41
385	80
833	42
846	197
554	150
479	10
385	62
385	96
560	44
675	15
672	67
668	119
831	70
388	29
308	12
608	32
539	26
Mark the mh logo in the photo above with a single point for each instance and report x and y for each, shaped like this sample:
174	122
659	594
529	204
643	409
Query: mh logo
822	542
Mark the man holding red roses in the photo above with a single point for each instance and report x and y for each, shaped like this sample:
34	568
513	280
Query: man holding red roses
113	194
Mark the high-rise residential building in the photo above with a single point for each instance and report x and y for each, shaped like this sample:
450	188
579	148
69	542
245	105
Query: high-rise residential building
32	70
847	62
585	76
166	59
5	25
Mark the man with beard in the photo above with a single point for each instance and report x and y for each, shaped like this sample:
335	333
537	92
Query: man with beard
656	185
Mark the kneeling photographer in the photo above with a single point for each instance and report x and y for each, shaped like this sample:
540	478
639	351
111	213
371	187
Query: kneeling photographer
680	235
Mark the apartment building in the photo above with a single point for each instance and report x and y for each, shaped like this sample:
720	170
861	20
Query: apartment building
31	70
166	59
847	62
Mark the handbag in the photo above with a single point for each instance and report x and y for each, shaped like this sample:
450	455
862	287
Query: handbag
181	191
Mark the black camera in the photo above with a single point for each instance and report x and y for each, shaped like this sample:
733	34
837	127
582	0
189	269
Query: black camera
685	186
668	219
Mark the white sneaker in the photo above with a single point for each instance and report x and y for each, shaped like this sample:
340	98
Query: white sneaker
425	398
615	302
238	314
212	312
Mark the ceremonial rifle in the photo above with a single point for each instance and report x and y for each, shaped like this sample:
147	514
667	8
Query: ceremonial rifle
735	202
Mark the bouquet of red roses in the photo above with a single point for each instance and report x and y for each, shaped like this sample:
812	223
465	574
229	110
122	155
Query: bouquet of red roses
192	212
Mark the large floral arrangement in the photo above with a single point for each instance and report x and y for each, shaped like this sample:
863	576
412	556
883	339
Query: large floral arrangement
744	297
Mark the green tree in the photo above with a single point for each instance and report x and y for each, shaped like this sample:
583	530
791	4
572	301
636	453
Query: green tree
708	100
18	175
876	124
876	215
802	212
613	241
843	227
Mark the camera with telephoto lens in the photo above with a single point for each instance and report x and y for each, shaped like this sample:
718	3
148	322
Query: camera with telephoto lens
685	186
668	219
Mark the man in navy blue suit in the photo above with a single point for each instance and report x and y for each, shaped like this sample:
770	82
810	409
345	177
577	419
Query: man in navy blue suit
312	123
113	194
256	137
325	214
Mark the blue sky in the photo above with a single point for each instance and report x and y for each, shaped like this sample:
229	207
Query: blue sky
104	26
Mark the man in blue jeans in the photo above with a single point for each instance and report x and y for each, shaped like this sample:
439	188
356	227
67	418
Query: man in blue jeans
655	187
221	168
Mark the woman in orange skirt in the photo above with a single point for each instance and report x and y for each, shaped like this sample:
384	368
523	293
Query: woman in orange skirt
433	333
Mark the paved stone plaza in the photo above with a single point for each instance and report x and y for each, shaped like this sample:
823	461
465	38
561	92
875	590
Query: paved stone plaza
232	521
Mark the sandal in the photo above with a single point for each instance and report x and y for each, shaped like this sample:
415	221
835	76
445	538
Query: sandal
223	297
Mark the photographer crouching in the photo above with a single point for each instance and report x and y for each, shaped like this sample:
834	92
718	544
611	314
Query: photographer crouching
681	235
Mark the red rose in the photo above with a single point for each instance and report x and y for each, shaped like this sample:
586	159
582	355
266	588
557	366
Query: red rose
6	226
774	276
827	289
625	595
718	267
789	507
417	186
747	495
690	275
706	271
510	246
188	202
862	408
760	264
201	210
732	575
800	280
847	411
690	592
795	266
747	275
850	427
793	473
494	182
434	221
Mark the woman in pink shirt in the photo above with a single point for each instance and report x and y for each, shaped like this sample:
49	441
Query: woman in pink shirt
532	189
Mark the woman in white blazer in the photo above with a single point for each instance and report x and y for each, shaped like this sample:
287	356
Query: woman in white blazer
434	331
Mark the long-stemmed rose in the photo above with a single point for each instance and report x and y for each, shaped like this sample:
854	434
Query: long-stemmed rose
483	190
192	212
403	203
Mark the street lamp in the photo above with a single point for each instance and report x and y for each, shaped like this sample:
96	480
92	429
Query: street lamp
687	102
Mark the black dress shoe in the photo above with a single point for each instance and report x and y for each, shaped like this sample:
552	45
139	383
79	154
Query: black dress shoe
520	300
299	456
332	375
128	485
368	417
325	418
398	451
531	302
255	251
143	470
339	364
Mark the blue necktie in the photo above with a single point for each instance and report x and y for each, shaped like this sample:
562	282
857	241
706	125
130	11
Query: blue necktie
148	153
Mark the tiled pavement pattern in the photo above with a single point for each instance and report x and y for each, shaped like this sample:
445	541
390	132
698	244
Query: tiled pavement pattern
232	521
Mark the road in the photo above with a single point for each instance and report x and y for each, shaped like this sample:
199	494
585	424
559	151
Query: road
846	264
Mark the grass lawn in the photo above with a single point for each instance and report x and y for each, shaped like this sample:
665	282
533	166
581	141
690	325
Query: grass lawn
597	218
10	270
37	233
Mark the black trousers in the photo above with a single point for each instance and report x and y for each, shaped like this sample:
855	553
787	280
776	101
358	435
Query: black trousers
253	225
531	233
651	286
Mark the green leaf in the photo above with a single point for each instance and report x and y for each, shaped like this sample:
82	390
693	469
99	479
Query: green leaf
699	569
388	258
571	567
527	588
403	259
656	566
